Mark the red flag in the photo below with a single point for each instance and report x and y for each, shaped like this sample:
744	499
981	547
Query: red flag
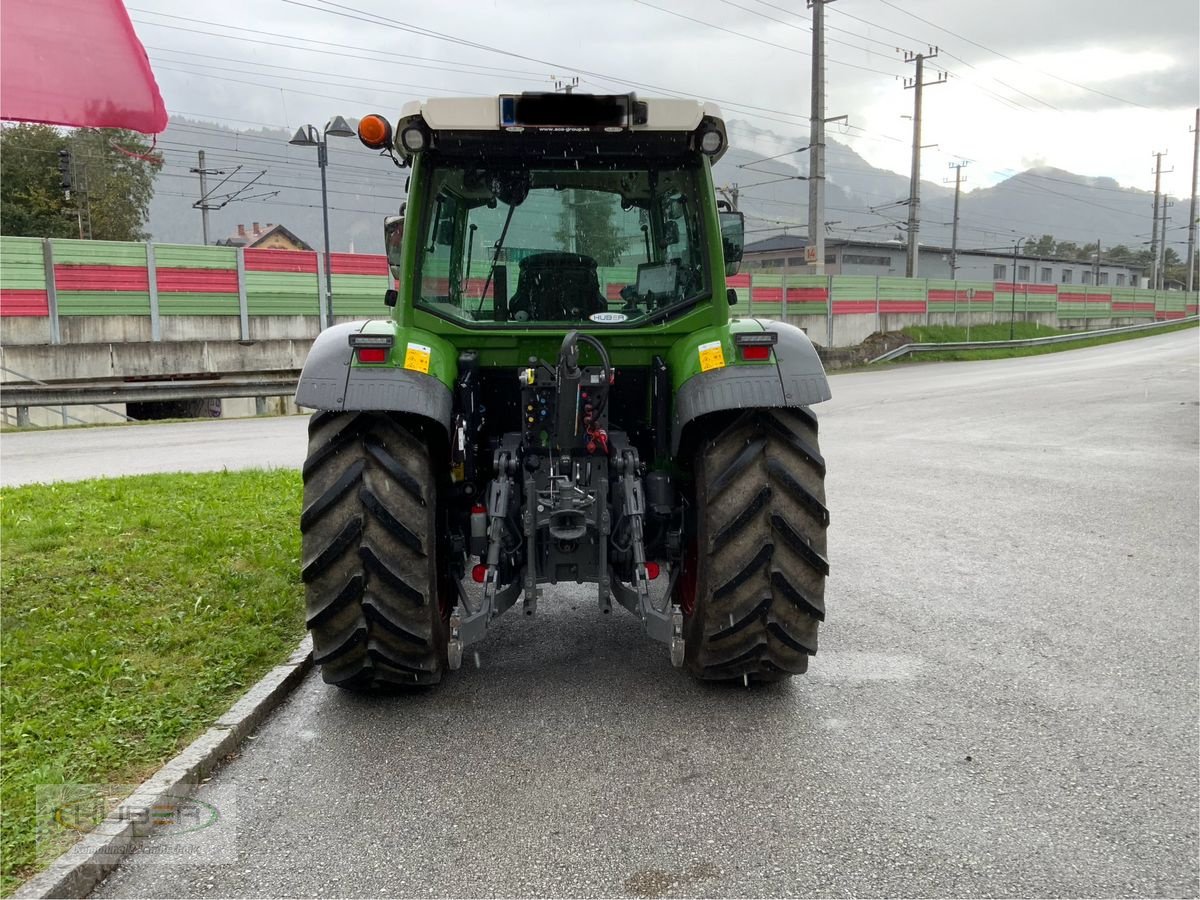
76	62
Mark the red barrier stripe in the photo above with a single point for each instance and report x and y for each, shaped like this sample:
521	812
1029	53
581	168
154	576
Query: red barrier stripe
852	307
738	281
69	277
1132	307
1082	298
281	261
902	306
358	264
794	295
23	303
1171	314
807	295
613	292
199	281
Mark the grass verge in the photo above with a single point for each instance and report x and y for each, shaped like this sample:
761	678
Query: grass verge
135	611
939	334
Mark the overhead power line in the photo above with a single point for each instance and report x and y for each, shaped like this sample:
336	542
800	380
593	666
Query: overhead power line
1082	87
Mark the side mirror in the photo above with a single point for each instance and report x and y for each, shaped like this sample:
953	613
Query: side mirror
733	238
393	233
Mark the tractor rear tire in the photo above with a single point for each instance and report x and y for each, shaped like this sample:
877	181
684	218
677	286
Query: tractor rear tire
757	585
370	560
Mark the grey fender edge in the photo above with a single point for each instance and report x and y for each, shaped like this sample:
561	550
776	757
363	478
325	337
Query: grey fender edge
329	382
797	379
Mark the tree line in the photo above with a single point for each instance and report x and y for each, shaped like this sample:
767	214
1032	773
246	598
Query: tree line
99	188
1049	246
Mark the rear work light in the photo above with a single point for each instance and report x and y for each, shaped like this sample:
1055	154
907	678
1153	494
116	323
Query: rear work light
755	346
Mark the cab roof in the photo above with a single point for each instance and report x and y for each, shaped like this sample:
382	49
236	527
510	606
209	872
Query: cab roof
488	113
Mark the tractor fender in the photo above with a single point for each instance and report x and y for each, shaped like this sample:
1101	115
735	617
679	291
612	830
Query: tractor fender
795	378
330	380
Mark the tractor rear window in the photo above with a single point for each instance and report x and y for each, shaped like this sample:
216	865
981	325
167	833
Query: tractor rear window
551	246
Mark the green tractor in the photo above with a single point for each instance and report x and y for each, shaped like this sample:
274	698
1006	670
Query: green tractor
561	395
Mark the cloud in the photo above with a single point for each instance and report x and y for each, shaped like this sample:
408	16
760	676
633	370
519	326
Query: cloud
1147	56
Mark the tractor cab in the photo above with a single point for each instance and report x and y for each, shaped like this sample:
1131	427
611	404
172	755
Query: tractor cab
556	210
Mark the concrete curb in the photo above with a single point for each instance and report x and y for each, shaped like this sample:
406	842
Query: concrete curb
85	865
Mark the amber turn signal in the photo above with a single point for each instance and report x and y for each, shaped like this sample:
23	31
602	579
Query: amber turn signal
374	131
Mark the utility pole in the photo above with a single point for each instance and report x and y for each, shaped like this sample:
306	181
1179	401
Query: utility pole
202	203
1096	275
66	177
83	200
814	252
917	83
957	167
1154	222
1191	251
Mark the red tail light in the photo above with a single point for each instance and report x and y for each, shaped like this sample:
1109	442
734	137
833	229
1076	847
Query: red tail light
478	573
652	570
372	354
756	352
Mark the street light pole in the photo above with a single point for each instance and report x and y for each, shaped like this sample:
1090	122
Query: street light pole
308	136
1012	307
322	163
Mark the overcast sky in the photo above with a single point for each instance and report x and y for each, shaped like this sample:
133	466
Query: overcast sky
1092	86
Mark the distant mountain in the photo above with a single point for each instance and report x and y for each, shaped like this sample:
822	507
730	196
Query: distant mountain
871	203
861	199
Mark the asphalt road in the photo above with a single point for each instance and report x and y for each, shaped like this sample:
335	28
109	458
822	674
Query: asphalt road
1005	702
72	454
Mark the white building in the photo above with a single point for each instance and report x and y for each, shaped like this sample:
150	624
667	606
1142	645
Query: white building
849	257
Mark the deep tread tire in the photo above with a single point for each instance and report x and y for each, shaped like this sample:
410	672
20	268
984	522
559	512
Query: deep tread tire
760	556
369	555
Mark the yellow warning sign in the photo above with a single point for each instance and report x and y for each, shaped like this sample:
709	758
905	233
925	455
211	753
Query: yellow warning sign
711	356
417	358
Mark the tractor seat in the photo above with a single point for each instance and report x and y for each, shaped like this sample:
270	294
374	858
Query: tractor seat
557	286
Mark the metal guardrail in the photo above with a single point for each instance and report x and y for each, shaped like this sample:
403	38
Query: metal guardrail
241	384
1025	342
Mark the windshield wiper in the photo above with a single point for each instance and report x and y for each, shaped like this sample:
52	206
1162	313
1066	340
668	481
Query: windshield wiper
495	256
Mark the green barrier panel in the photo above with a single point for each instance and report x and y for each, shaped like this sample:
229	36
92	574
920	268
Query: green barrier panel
197	304
99	253
192	257
906	291
22	267
360	295
103	303
282	294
